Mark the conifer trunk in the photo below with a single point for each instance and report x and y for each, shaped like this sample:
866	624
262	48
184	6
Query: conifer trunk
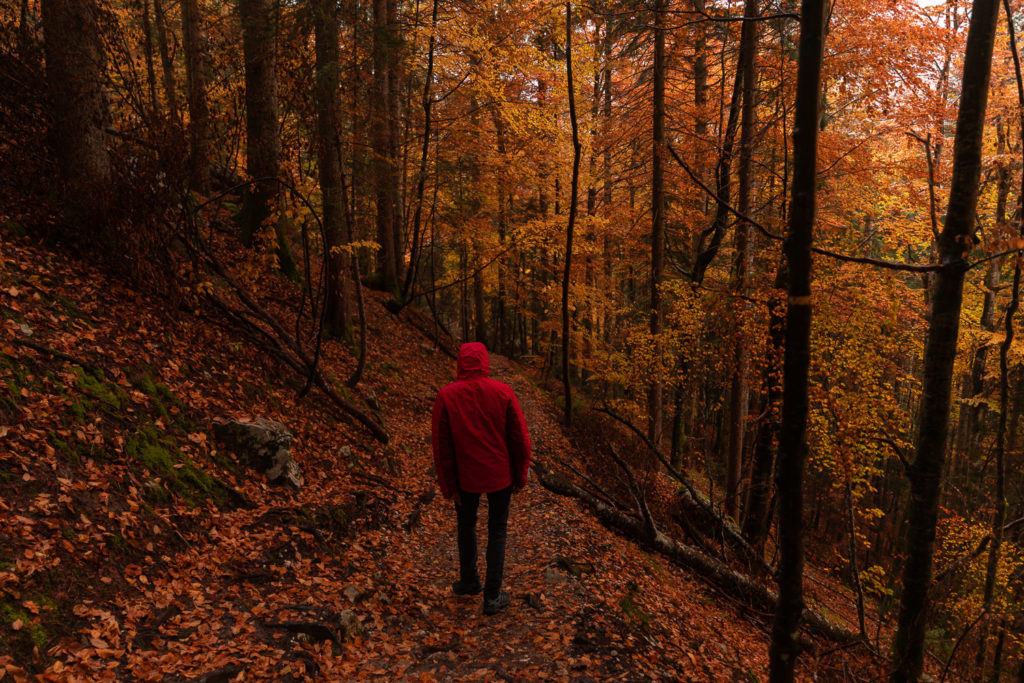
74	70
198	112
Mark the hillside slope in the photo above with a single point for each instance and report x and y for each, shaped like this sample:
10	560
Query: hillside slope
132	547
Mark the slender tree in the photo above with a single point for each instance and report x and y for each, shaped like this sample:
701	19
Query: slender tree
337	317
785	642
738	391
574	189
925	472
655	398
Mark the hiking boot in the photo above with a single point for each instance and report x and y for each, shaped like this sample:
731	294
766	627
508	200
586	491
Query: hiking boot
462	588
497	603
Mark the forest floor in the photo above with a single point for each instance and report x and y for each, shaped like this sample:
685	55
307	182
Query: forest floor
131	548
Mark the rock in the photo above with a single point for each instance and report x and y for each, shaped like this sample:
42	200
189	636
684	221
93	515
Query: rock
352	592
263	445
350	625
553	576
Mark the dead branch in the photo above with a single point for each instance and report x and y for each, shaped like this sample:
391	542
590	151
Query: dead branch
715	572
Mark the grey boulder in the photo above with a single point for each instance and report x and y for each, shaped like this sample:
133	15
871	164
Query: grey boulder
263	445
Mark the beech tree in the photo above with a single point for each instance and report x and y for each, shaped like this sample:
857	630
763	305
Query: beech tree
925	472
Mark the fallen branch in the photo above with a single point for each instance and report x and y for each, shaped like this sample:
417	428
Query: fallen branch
696	499
716	572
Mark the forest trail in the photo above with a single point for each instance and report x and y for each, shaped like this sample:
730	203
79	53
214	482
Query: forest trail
347	578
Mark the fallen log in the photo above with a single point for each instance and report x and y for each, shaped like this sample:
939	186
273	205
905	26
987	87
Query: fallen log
718	573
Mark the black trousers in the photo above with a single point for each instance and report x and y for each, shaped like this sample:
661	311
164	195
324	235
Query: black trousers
497	534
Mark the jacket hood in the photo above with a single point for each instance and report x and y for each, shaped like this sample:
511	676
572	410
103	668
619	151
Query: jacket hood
473	360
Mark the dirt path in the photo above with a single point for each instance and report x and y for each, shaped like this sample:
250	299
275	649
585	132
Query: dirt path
586	605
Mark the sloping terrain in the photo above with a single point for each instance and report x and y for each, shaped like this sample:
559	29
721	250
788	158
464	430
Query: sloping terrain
134	547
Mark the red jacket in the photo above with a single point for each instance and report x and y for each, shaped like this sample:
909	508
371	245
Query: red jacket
481	443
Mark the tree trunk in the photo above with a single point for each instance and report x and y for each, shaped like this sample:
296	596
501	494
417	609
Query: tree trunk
74	69
755	518
263	145
738	391
567	274
384	154
166	63
337	316
655	399
195	77
421	178
940	350
147	50
785	641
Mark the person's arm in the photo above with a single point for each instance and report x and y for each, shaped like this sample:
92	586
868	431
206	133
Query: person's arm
444	451
517	437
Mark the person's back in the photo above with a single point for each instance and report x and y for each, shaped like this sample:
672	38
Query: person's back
481	446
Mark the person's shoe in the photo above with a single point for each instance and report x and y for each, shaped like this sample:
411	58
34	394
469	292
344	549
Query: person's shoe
497	603
461	588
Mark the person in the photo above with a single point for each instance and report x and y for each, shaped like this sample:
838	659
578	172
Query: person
481	446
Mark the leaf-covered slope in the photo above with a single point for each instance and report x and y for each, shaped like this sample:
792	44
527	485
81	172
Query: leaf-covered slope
132	547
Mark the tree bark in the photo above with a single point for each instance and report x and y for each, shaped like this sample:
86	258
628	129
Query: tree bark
655	398
738	390
198	112
574	189
385	160
75	64
166	63
421	179
785	641
262	145
337	316
940	350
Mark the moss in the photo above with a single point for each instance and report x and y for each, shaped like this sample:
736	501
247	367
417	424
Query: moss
81	408
631	608
34	634
107	393
173	471
69	533
117	543
171	408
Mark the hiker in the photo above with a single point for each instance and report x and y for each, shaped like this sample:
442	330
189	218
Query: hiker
481	445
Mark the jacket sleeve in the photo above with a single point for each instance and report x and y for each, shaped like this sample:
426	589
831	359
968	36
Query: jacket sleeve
517	438
444	452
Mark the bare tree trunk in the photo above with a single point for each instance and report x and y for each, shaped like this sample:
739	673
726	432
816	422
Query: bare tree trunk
384	159
263	145
755	520
655	398
940	350
337	317
785	641
394	118
75	65
198	112
738	390
567	274
971	415
999	516
166	63
421	180
147	51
